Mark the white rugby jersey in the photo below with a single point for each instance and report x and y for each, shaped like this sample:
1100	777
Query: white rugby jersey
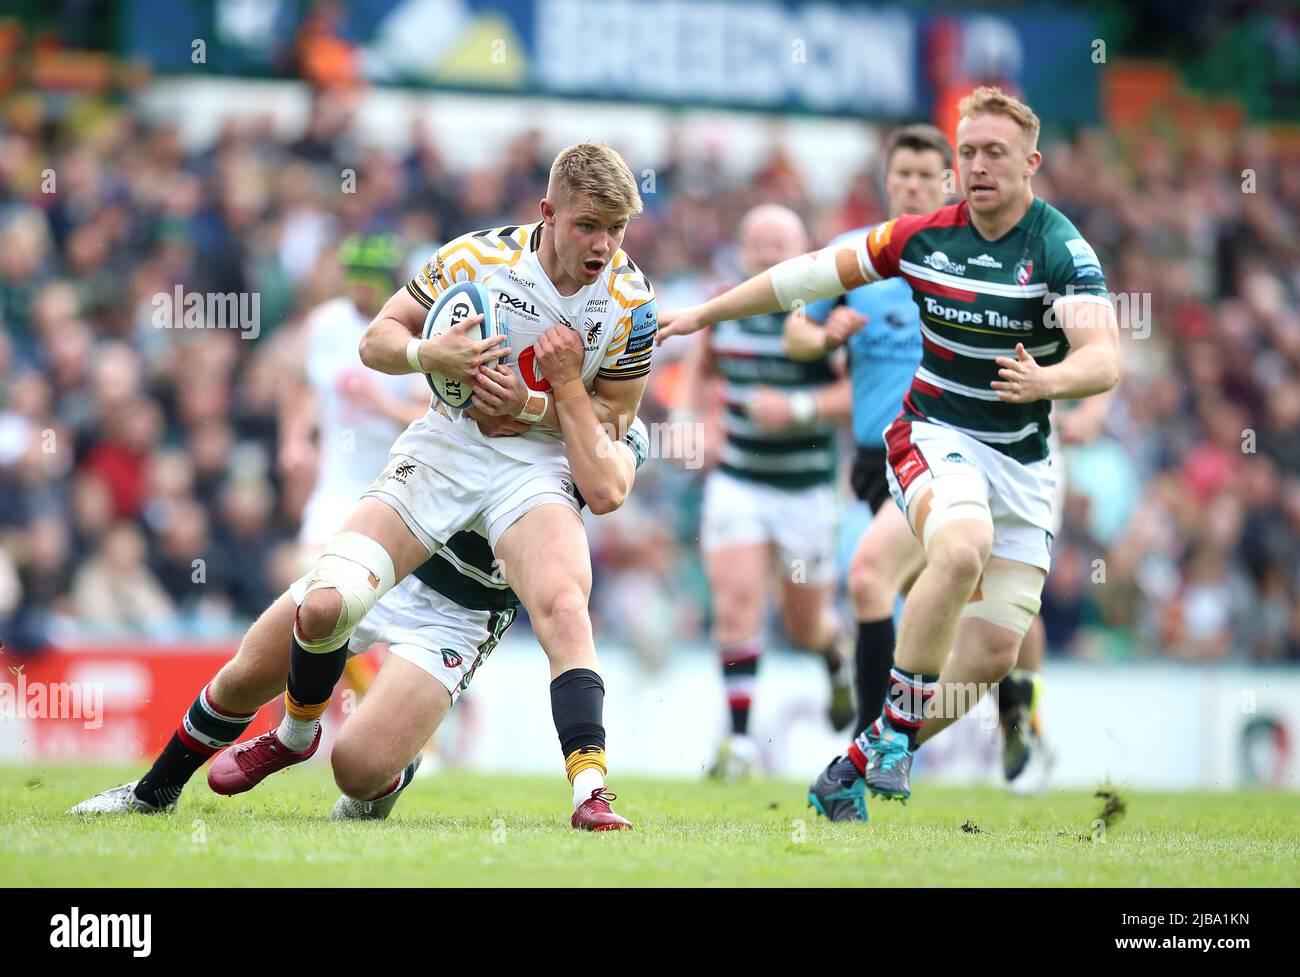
354	437
616	314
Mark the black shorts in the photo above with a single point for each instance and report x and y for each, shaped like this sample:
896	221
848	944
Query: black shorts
868	477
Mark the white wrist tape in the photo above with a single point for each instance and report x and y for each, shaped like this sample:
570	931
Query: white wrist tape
803	407
533	417
413	354
807	278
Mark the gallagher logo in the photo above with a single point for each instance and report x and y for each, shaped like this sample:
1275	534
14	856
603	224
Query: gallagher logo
939	262
1023	271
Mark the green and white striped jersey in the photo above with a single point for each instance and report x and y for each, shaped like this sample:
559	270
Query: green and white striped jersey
748	353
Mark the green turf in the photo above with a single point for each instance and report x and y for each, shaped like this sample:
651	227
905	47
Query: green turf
476	829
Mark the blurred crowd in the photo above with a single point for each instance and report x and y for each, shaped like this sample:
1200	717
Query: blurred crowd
140	489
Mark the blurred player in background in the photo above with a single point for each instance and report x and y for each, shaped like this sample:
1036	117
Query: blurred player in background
337	420
994	277
769	508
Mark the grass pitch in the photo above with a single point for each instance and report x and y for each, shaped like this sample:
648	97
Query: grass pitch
463	829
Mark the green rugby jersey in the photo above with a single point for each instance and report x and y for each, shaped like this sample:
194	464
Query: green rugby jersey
977	299
748	353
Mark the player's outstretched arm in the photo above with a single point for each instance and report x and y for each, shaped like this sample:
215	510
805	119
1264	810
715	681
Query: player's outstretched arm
602	471
389	344
816	275
1091	367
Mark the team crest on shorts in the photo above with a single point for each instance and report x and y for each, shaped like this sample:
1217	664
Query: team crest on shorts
402	472
451	658
956	459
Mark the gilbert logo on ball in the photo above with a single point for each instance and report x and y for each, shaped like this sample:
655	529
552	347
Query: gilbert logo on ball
458	303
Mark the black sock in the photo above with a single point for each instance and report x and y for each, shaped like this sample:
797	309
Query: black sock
578	708
873	658
204	730
739	674
1015	691
312	675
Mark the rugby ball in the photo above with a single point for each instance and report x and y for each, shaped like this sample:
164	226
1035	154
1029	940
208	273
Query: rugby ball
455	305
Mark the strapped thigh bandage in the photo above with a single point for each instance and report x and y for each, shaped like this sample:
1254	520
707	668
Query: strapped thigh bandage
954	497
1009	595
361	571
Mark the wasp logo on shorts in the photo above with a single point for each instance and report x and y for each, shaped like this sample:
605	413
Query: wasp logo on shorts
451	658
402	472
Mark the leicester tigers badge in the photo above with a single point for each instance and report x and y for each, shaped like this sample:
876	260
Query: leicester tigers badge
1023	270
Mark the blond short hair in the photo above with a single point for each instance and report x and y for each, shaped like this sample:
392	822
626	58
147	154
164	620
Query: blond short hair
596	172
987	100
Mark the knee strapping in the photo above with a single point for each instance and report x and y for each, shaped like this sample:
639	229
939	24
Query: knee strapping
361	571
1010	595
954	497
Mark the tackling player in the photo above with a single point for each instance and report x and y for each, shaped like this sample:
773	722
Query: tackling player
770	504
440	624
500	466
993	276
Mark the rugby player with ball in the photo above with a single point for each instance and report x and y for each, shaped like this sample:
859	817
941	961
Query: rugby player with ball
498	467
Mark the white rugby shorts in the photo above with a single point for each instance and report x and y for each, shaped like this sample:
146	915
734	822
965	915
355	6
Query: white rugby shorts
1021	496
444	476
799	522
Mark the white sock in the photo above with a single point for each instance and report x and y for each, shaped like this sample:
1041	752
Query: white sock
297	734
584	783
